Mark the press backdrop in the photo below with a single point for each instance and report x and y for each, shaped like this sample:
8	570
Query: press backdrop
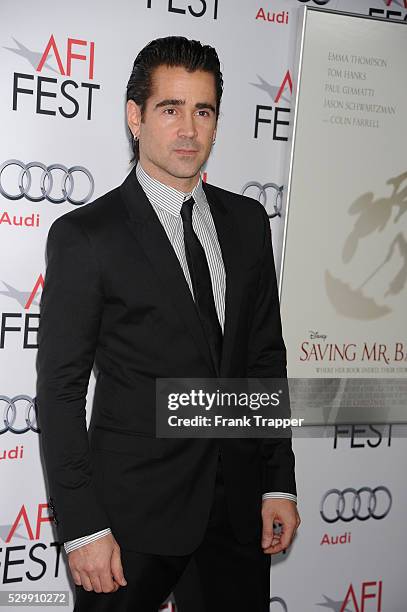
63	71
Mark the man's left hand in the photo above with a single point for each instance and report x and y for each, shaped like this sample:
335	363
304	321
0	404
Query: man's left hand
284	512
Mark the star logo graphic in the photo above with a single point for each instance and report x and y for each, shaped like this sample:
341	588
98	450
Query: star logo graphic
5	530
331	604
276	92
22	297
33	57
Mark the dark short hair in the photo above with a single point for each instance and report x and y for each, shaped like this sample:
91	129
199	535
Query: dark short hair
170	51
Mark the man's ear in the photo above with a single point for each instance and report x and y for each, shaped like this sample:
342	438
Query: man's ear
133	117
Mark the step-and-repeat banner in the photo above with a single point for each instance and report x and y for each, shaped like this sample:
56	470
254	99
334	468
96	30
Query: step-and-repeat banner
63	72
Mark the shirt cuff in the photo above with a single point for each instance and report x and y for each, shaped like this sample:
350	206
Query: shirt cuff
279	495
73	544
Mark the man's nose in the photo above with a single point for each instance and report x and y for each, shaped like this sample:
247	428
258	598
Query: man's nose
187	128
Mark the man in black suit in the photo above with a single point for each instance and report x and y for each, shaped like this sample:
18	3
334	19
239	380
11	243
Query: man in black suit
164	276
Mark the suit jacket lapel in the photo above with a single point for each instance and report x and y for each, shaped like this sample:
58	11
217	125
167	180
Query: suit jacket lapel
229	240
153	239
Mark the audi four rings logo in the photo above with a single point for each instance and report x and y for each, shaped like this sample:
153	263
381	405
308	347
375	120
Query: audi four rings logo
18	414
317	2
361	504
46	183
260	193
282	606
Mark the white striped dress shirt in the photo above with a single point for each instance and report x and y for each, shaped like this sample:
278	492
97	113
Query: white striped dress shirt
167	203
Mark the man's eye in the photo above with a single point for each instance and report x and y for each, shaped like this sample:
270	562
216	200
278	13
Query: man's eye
203	113
169	111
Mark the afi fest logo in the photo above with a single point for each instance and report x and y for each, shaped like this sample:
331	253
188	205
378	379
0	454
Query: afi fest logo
29	552
63	79
370	593
22	323
391	13
195	8
362	436
275	116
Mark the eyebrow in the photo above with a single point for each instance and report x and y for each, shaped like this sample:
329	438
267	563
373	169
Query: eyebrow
176	102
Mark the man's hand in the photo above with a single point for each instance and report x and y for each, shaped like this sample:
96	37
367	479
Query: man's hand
284	512
97	566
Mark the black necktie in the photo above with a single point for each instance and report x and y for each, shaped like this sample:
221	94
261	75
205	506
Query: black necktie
201	284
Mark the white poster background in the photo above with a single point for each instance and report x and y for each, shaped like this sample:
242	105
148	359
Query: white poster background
345	257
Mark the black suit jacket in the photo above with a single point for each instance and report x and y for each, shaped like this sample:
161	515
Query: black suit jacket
115	293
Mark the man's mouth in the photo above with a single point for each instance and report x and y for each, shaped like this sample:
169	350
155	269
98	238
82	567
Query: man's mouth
186	151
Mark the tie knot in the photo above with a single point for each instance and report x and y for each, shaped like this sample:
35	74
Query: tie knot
186	210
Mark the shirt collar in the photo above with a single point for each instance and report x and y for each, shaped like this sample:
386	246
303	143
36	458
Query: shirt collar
166	197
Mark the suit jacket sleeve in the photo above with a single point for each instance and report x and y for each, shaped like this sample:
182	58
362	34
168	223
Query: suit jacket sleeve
267	359
71	307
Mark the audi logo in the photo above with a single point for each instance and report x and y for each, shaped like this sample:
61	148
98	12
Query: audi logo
260	194
318	2
361	504
46	182
19	414
281	602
